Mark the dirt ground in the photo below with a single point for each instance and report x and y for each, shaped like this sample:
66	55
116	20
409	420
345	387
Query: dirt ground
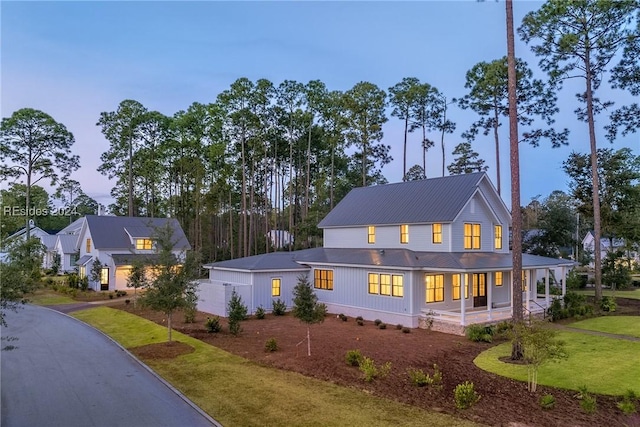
504	402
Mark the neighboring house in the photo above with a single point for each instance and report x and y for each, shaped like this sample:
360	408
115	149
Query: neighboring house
68	246
280	238
607	245
116	242
47	240
409	253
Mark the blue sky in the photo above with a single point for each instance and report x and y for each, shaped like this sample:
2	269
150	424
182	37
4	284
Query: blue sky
74	60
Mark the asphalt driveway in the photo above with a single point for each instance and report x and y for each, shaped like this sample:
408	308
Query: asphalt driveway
65	373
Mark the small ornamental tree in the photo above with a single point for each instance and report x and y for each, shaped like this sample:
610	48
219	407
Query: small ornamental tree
237	313
540	345
96	271
306	306
137	279
173	280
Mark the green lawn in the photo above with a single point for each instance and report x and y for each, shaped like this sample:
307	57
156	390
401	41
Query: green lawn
605	365
237	392
48	297
633	293
623	325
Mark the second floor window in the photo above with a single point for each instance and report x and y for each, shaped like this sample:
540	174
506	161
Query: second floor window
371	234
436	232
404	233
498	236
88	248
471	236
144	244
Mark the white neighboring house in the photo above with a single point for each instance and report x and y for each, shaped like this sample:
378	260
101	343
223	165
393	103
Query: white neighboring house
48	240
607	245
280	238
117	241
410	253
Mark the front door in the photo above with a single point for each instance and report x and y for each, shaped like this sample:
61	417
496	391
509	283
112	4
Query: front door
480	289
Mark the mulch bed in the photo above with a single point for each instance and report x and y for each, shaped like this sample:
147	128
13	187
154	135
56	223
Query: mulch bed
504	402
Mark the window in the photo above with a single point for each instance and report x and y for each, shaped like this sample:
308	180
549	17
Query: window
323	279
82	272
386	284
434	284
144	244
455	280
436	233
371	234
497	231
397	288
275	287
472	236
88	248
524	281
498	278
104	276
404	233
374	283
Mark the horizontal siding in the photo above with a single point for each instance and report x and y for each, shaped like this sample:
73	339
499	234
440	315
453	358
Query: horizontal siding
388	237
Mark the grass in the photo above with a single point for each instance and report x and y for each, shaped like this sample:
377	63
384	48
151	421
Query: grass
623	325
238	392
631	293
605	365
49	297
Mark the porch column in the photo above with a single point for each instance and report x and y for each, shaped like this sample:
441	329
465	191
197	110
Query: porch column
546	288
564	280
527	286
463	291
489	293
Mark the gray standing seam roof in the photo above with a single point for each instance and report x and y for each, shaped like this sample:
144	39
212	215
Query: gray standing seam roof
68	243
391	258
108	232
412	202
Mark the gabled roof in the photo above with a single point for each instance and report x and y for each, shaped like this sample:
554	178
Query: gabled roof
390	258
49	241
68	243
74	228
412	202
110	232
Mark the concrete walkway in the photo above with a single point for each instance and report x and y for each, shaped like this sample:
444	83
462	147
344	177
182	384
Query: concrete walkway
599	333
65	373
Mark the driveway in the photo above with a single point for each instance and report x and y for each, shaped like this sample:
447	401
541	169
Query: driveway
65	373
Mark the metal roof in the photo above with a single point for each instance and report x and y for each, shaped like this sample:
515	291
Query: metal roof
391	258
412	202
68	242
108	232
129	259
84	260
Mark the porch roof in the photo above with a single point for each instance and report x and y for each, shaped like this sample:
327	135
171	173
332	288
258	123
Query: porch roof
391	258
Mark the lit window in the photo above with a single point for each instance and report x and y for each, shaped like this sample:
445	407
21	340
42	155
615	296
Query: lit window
434	285
385	284
472	236
374	283
404	233
524	281
275	287
323	279
371	234
436	233
397	289
144	244
498	278
82	272
456	280
498	236
88	248
104	276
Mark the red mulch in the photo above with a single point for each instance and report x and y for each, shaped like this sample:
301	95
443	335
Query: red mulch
504	402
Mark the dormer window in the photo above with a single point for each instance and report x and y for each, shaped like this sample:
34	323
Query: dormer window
371	234
436	233
471	236
144	244
497	232
404	233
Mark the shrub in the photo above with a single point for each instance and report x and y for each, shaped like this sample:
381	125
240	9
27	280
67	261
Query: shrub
628	404
73	281
370	371
342	317
547	401
212	324
84	283
608	304
382	325
587	401
377	322
479	333
406	330
437	375
279	307
360	322
353	357
260	313
465	395
359	318
271	345
127	301
419	378
110	295
399	327
237	313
